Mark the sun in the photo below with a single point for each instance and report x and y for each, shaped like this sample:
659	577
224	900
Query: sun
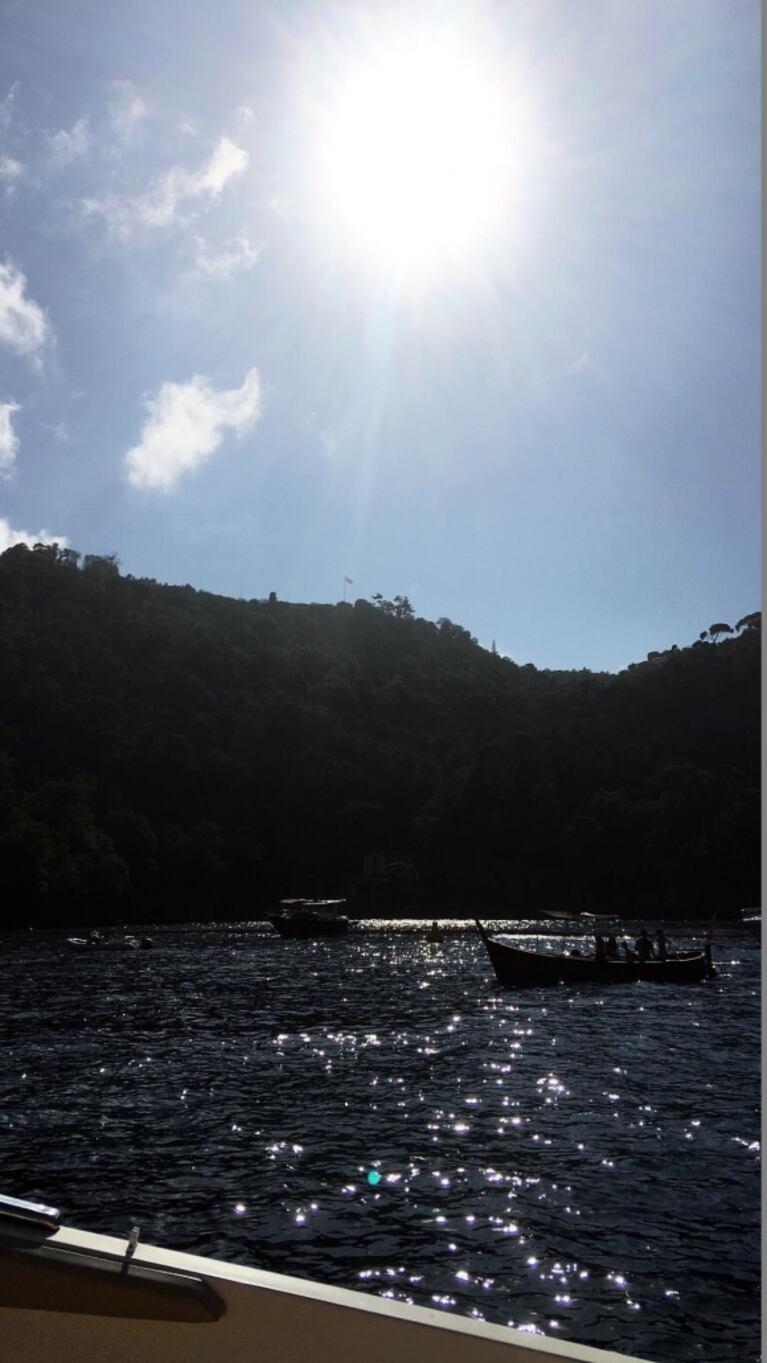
418	152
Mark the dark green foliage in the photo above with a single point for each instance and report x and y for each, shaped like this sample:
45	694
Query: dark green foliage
169	753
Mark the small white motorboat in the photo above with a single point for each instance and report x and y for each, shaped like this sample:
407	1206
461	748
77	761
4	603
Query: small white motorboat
111	942
68	1296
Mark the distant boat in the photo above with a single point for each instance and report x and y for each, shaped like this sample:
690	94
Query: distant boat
752	922
516	966
304	919
110	942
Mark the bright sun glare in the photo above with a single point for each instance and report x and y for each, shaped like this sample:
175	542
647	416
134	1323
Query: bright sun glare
416	156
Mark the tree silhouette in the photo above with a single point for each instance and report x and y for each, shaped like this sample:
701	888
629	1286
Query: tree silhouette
168	753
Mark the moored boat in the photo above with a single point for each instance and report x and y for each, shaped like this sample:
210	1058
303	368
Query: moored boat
110	942
303	919
519	966
752	922
72	1296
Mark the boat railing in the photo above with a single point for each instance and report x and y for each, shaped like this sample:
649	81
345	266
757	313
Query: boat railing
17	1211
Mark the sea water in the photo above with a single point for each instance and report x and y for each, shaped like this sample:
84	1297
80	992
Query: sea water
375	1112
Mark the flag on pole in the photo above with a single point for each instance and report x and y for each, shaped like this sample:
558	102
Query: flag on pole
348	579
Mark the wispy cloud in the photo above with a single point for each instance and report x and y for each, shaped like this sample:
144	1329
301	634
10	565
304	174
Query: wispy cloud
159	206
69	143
236	254
10	537
329	443
59	431
186	424
244	120
128	110
6	106
11	171
23	324
9	441
581	362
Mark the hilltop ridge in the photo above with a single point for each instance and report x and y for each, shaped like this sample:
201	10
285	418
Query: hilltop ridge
168	753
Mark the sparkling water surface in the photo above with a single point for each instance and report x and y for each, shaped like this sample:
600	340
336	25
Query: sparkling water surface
375	1112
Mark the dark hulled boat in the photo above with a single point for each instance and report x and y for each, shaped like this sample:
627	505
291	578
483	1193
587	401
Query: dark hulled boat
304	919
516	966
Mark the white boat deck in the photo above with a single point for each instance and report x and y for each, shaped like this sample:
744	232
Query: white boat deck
73	1297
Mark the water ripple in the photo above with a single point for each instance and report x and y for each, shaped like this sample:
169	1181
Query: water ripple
377	1114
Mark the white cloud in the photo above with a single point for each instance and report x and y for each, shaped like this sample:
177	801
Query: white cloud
10	169
186	424
67	145
227	160
158	207
127	110
237	254
9	537
23	324
9	441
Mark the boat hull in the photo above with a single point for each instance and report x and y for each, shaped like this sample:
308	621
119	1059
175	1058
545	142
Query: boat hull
74	1296
514	966
106	944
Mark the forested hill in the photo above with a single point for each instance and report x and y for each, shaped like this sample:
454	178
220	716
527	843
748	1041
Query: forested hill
167	753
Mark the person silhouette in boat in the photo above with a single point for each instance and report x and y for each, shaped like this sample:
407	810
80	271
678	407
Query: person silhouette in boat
611	947
600	945
661	945
644	947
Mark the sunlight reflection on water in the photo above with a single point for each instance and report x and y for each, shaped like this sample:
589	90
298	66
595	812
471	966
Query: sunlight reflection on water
234	1094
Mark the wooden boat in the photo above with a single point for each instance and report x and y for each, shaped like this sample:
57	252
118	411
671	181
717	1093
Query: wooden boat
74	1297
303	919
517	966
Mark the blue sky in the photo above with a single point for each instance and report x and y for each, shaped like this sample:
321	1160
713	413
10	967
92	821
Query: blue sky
277	306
